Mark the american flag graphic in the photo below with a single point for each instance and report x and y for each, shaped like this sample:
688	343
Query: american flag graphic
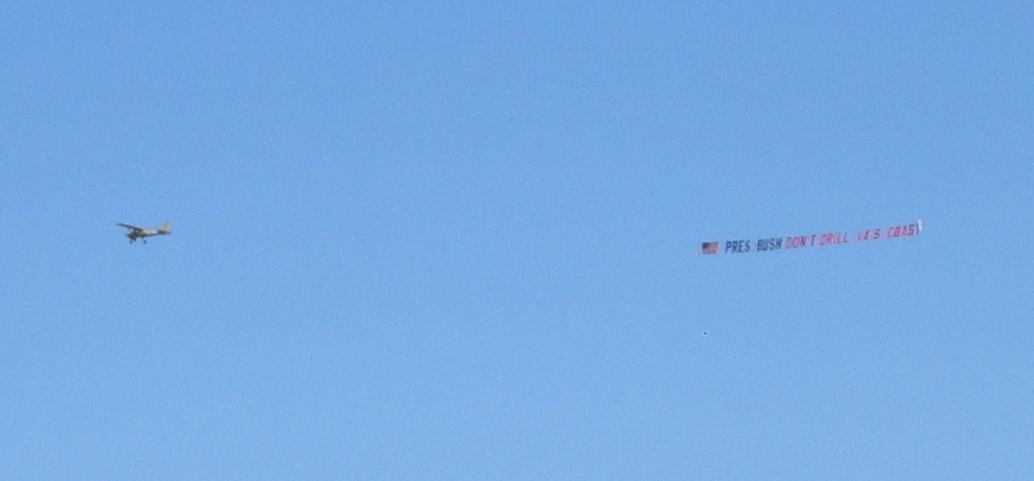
708	248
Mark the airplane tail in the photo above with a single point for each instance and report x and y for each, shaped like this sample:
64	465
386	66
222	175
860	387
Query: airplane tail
166	228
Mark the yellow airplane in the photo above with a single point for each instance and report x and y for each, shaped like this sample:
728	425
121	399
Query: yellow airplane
142	233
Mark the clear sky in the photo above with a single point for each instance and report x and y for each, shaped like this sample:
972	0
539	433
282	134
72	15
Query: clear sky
462	241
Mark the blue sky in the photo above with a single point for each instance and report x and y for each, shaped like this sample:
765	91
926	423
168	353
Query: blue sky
461	241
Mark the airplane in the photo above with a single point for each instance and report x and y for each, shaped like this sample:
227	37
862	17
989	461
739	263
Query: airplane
142	233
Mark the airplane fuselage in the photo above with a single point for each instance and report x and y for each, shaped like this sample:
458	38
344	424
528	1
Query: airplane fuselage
135	232
142	234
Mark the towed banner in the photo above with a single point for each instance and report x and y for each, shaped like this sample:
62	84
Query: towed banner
766	244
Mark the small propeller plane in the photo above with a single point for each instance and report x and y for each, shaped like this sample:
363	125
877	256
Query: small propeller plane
135	232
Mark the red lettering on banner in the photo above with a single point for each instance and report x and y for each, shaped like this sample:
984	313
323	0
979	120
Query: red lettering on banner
796	242
902	231
833	238
868	235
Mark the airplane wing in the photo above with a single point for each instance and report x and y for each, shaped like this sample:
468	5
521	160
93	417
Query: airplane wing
130	227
